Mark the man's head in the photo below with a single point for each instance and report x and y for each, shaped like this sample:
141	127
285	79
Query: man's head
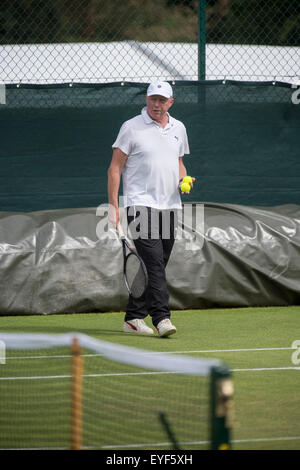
159	99
160	88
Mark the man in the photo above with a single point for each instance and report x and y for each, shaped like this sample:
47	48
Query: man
148	154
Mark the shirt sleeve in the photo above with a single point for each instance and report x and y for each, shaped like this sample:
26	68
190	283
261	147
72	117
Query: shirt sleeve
123	141
184	143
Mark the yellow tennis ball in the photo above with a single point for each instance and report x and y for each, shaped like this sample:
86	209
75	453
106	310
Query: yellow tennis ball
185	187
224	447
188	179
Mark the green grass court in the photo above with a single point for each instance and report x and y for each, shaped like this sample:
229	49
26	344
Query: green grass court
255	342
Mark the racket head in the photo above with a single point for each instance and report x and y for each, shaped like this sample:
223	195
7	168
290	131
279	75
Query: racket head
135	275
134	269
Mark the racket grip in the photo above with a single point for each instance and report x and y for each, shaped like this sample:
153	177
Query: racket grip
120	230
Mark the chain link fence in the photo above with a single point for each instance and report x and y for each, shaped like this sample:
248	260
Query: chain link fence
104	41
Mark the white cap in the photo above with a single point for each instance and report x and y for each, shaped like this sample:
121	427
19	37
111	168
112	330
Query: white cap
160	88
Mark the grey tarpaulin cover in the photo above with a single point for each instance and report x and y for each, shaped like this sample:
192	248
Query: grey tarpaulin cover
60	261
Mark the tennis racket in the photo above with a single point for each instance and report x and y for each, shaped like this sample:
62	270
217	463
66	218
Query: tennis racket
134	269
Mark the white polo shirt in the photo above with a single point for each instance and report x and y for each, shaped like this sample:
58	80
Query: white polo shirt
151	173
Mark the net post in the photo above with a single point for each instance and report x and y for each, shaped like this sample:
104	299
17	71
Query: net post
221	408
76	396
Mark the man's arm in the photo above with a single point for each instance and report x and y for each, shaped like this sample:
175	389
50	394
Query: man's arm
182	172
182	169
118	161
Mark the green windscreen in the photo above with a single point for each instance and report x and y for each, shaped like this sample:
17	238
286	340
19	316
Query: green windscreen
56	142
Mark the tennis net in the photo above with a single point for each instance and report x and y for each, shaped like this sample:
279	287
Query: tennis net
61	391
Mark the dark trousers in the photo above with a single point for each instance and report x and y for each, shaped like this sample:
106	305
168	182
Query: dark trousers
153	233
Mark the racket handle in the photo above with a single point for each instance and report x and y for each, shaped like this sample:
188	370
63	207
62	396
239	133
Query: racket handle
120	230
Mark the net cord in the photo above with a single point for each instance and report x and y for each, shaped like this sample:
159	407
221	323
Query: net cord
144	359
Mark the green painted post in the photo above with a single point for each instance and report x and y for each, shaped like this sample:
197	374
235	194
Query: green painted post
201	39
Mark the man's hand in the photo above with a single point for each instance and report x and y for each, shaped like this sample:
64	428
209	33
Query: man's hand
113	215
188	181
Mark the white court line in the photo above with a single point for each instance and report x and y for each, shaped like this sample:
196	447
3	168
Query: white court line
231	350
151	372
265	368
267	439
234	441
115	374
160	352
160	444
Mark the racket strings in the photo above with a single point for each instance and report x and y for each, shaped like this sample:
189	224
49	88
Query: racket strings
135	276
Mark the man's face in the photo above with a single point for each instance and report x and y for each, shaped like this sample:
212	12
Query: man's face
158	106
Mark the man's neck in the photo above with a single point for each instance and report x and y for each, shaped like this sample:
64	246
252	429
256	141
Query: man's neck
163	121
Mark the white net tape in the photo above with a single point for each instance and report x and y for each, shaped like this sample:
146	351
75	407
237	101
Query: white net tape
164	362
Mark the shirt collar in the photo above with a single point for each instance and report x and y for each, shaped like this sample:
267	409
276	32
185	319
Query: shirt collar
149	120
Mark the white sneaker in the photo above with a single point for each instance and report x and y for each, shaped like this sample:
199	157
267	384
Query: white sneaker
165	328
137	326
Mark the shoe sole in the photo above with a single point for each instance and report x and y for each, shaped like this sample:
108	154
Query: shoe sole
168	333
138	332
132	330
